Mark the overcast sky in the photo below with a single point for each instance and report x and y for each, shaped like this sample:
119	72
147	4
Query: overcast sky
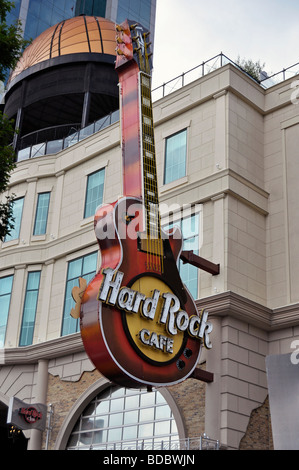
189	32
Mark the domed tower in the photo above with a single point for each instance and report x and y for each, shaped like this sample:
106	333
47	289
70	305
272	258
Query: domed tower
64	81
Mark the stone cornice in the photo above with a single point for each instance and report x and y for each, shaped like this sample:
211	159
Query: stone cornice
241	308
52	349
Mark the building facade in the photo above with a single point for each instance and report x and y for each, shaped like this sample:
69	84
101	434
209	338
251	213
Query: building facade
227	172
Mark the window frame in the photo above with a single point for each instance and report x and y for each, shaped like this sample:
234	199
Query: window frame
8	238
22	329
66	314
176	220
7	315
90	174
36	213
81	438
165	166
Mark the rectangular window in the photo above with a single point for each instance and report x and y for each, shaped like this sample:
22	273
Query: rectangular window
41	215
5	295
94	192
29	311
17	216
84	267
190	233
175	156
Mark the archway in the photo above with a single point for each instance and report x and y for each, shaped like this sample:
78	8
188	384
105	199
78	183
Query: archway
102	390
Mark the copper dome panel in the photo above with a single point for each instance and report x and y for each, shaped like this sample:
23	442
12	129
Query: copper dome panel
81	34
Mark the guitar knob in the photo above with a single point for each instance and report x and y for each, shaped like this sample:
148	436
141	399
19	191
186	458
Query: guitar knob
180	364
187	353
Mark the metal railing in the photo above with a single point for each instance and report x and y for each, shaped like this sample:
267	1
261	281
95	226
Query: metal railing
213	64
198	443
206	67
53	146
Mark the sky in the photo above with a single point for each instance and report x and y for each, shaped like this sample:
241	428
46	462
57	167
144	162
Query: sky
189	32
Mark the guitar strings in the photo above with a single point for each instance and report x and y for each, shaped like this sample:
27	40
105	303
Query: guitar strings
154	243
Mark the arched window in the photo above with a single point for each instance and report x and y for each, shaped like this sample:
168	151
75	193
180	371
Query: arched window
121	418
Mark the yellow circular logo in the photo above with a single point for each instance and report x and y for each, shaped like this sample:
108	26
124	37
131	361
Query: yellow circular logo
154	339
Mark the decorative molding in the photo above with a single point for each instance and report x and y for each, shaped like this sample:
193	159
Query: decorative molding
234	305
52	349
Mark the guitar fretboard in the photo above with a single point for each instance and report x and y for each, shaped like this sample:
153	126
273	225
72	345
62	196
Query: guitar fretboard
150	184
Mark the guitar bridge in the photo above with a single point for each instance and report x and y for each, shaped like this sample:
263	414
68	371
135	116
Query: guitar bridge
150	245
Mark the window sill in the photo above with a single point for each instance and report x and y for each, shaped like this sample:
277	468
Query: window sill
174	184
10	243
38	238
87	221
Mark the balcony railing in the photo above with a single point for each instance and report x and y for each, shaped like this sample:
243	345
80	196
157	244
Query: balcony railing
53	146
198	443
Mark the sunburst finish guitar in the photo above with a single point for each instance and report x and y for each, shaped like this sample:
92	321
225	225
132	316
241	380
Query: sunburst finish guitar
139	324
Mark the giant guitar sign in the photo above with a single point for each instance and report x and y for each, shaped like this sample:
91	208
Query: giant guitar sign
139	324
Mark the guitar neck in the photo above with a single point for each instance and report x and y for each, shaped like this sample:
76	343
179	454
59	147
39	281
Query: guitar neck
149	166
138	144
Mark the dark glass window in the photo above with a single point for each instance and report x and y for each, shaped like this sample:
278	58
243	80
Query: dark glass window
91	7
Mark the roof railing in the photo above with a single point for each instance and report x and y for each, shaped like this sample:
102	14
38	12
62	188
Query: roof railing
53	146
215	63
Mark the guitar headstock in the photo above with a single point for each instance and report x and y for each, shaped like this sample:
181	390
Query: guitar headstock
131	39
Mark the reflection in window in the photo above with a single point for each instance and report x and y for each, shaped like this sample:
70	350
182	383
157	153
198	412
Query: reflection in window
175	157
94	192
30	305
17	216
144	421
84	267
140	10
5	294
190	233
41	216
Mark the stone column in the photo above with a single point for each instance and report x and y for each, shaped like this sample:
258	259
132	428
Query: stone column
213	389
35	442
221	130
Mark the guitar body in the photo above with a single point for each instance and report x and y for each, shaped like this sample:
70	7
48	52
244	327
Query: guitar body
110	335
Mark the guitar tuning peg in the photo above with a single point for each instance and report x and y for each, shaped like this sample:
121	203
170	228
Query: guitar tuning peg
119	28
146	34
119	40
119	51
133	26
136	49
